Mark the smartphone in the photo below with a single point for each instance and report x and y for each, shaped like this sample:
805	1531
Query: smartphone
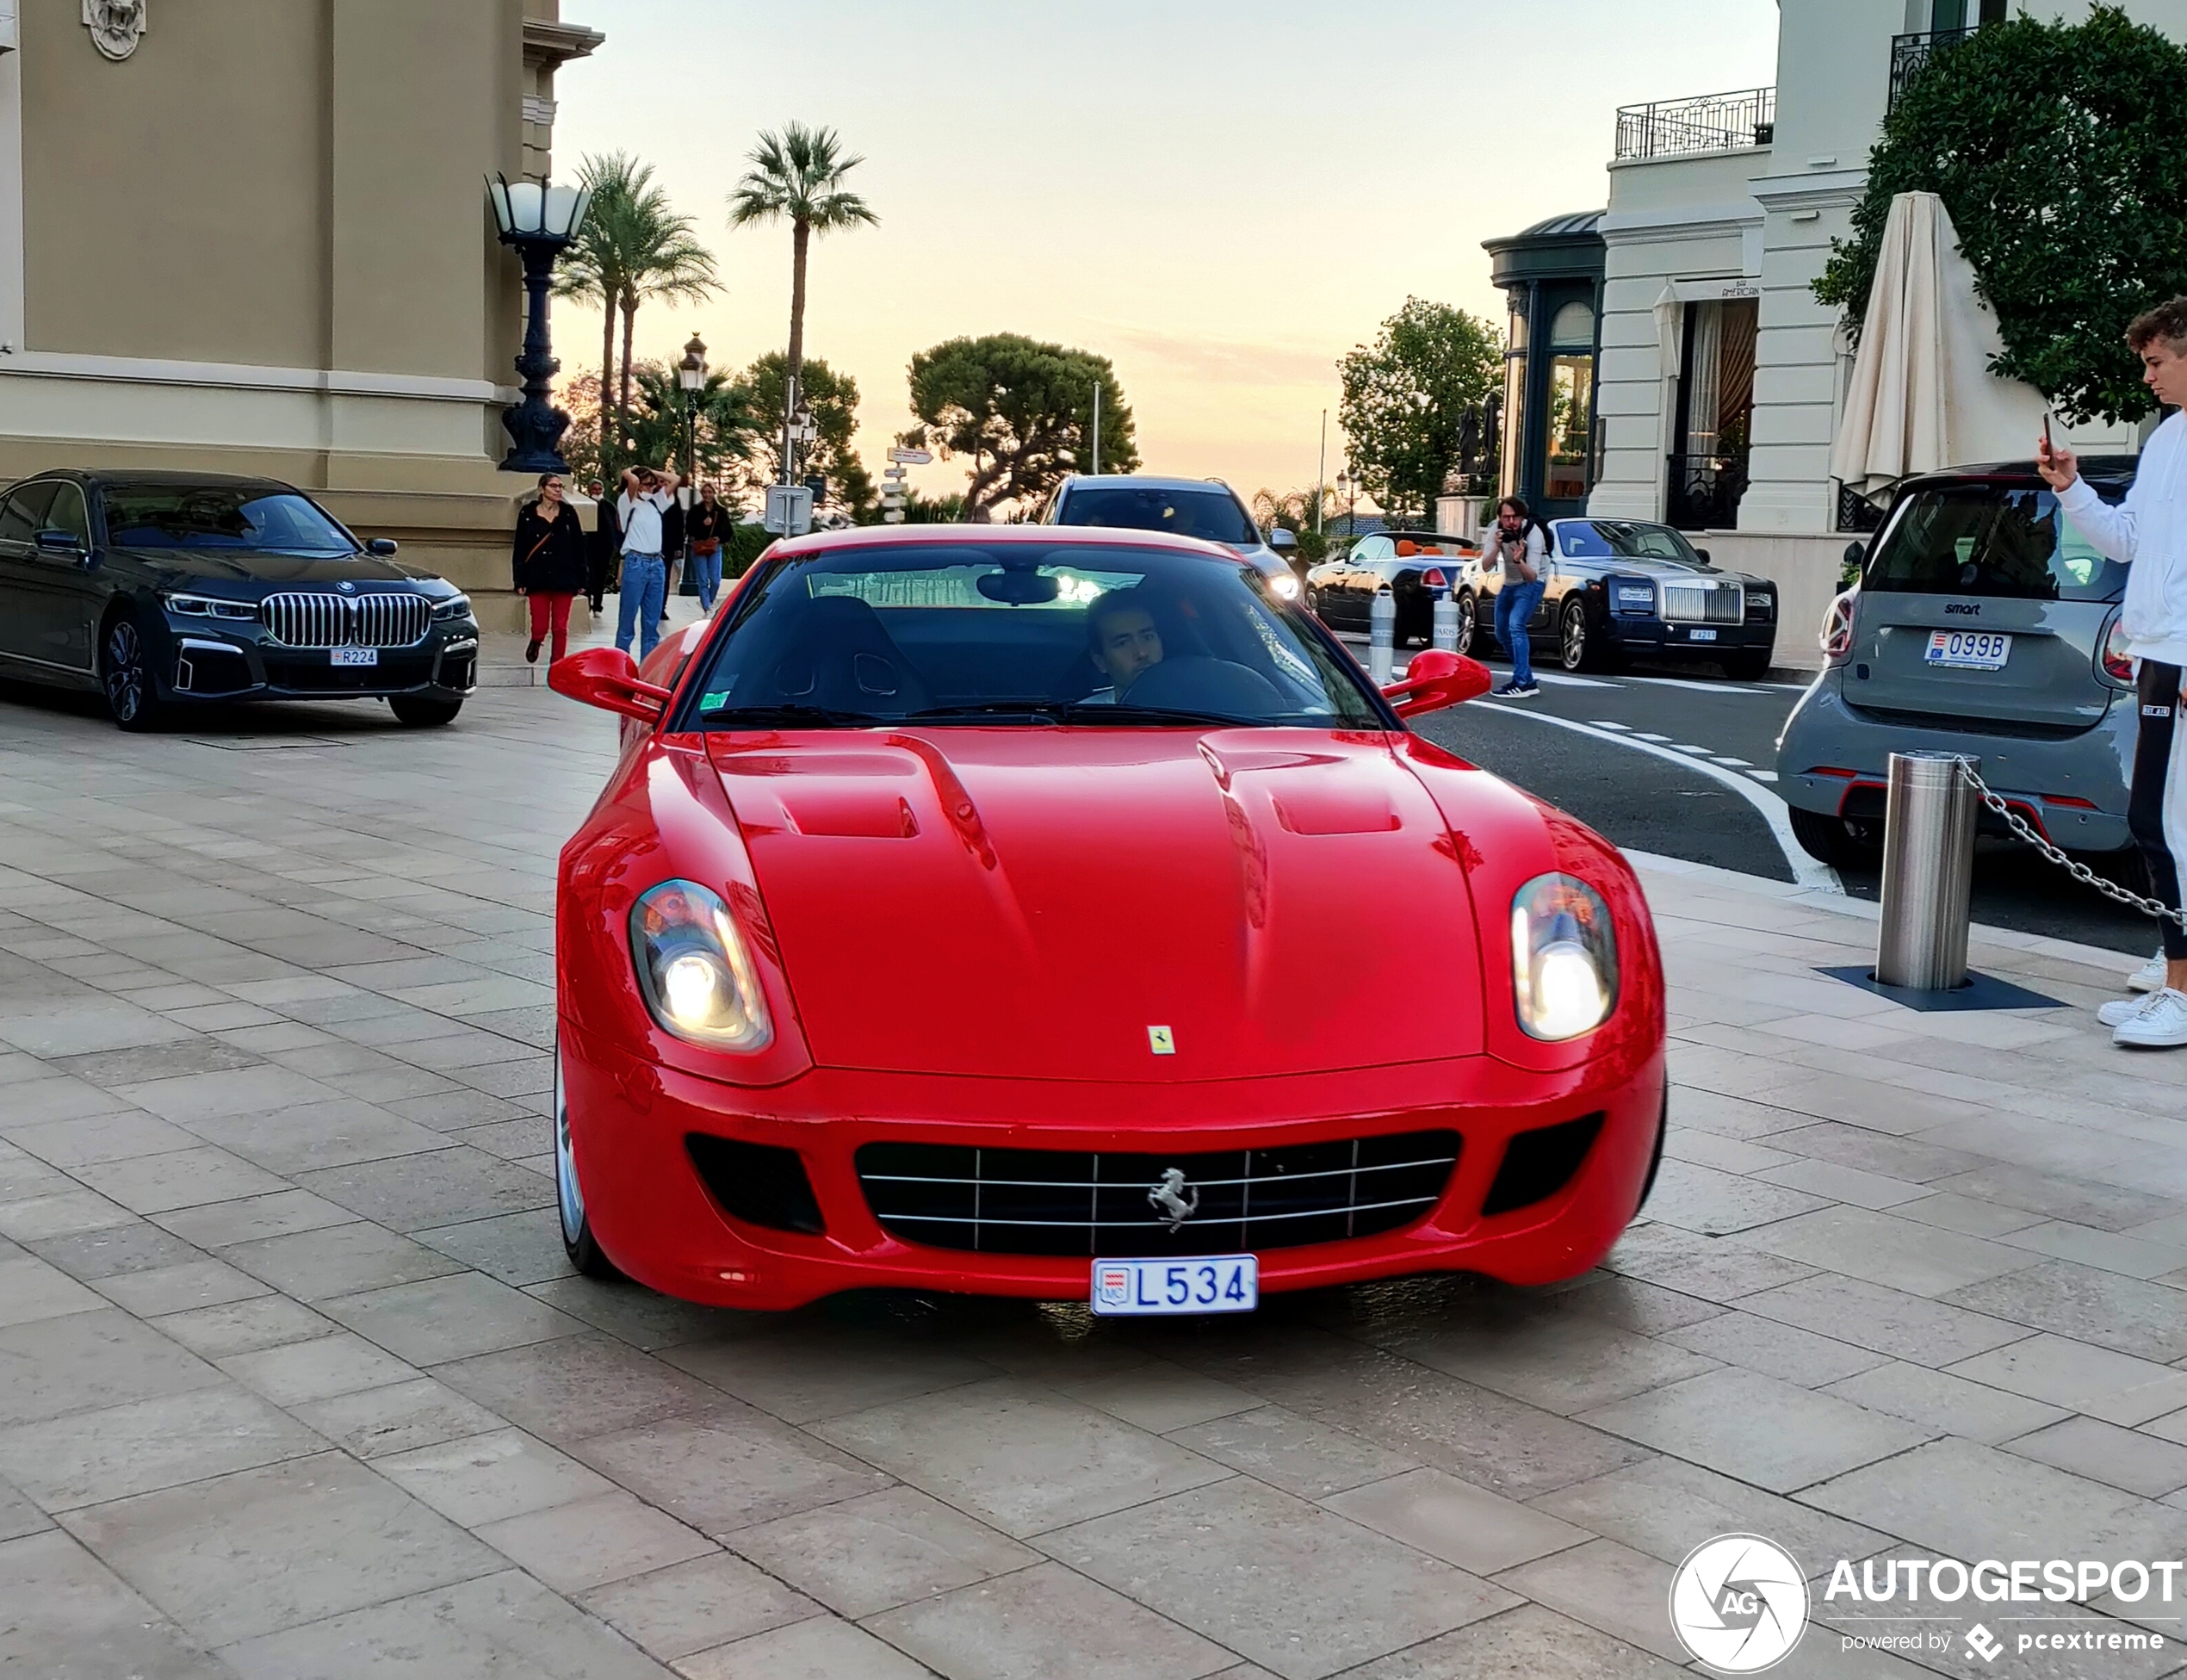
2049	448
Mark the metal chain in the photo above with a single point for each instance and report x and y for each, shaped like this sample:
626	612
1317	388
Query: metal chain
2080	871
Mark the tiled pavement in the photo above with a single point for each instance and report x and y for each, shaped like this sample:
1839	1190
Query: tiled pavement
294	1385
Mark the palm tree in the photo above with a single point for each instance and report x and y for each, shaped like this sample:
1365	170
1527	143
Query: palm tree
797	177
632	246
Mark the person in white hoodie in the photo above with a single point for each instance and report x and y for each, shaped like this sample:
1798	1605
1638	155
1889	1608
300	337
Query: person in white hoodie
2149	531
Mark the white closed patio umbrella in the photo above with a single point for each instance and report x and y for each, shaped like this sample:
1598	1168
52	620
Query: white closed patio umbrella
1922	397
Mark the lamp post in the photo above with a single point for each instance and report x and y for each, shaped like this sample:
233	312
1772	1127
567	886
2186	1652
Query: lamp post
1347	487
538	222
690	373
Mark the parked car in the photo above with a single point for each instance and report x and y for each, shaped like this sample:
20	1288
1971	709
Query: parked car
1984	624
1205	508
1414	566
165	590
1619	588
908	946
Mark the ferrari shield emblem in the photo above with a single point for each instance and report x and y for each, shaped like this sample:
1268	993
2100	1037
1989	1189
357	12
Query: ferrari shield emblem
1162	1041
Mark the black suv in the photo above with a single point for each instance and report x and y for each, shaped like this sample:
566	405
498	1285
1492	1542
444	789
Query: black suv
163	589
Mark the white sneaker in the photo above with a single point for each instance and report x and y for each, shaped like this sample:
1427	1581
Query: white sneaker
2159	1024
2119	1013
2149	977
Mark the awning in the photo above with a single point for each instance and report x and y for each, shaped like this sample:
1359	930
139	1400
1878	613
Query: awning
1922	397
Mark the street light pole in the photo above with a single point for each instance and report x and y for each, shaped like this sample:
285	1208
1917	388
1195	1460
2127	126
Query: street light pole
538	222
690	373
1321	475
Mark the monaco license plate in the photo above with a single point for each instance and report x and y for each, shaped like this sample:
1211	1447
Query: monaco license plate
1969	650
357	656
1147	1288
1700	636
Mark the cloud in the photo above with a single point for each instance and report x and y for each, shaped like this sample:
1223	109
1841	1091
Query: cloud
1229	361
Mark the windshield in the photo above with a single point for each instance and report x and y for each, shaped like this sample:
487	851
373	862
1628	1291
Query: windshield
1620	539
179	515
1021	634
1212	514
1994	540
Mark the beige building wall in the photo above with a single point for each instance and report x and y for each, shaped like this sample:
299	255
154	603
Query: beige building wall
260	244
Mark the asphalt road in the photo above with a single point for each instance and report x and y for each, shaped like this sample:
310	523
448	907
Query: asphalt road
1683	763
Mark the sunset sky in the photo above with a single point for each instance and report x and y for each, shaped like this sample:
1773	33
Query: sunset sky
1222	195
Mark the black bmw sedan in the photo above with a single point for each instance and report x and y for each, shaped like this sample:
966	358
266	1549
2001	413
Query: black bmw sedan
1622	588
162	589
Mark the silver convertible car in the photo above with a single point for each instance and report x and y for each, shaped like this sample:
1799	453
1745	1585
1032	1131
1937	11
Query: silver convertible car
1983	623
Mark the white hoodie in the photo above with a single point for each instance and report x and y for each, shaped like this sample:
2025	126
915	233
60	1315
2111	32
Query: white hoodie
2149	531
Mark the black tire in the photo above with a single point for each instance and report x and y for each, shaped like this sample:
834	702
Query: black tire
585	1254
422	711
126	675
1744	667
1830	840
1578	649
1469	625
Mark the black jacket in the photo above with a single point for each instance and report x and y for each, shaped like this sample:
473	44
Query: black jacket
549	559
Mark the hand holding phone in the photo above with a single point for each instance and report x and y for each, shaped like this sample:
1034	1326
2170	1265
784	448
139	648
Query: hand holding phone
2059	467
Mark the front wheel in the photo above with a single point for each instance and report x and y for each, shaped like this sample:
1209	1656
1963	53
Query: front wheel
421	711
1469	624
585	1254
125	673
1578	649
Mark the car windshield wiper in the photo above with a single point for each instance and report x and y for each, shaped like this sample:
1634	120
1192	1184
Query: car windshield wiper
786	716
1094	711
1041	712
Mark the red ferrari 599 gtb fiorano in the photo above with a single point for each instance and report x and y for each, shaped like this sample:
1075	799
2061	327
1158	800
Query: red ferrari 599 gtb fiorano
1062	914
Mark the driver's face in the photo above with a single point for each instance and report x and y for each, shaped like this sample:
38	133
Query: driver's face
1127	644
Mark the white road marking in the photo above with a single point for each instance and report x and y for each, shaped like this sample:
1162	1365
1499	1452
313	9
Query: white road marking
1816	877
1605	724
1734	764
1638	736
1561	681
1706	688
1763	775
1703	752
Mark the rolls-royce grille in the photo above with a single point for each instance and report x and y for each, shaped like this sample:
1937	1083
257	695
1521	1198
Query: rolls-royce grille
1704	603
391	620
1122	1206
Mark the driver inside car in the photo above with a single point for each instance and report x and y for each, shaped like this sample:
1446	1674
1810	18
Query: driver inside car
1122	640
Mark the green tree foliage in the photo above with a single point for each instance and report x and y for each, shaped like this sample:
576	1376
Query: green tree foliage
919	510
631	247
833	399
1407	397
1020	413
721	430
1295	512
798	177
2060	151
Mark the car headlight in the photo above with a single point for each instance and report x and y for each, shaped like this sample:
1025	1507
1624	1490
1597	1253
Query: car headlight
694	969
209	606
1283	586
455	606
1763	607
1564	957
1636	596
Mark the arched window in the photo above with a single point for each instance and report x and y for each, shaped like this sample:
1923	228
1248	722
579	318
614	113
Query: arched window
1573	329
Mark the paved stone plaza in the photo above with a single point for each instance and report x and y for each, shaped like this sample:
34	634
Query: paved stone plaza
294	1384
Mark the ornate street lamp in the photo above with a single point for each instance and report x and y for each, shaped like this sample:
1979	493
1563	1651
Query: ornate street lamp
690	373
539	222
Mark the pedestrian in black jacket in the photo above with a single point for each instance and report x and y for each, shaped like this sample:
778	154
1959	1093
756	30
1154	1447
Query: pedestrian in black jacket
607	550
549	562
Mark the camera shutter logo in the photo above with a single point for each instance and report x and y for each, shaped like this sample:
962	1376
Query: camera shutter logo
1739	1605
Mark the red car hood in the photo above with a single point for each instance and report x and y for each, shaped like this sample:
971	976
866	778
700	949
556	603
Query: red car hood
1037	902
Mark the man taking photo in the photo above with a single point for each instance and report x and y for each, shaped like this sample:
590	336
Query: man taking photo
2149	533
647	494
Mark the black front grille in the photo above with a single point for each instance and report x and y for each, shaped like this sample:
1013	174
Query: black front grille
1057	1202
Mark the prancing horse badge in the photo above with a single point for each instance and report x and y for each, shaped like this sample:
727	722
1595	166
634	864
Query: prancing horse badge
1162	1041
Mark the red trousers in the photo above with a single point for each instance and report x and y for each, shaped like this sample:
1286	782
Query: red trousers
551	610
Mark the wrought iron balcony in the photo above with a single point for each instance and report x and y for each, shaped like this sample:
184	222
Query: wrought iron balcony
1703	491
1911	54
1714	122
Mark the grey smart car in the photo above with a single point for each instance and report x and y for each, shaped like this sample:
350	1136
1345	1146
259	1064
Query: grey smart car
1983	623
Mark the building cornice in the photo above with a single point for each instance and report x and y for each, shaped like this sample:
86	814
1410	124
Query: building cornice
1694	221
233	376
556	44
1820	190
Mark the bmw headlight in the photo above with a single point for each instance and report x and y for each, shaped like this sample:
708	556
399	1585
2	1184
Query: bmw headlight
209	606
694	969
1564	957
455	606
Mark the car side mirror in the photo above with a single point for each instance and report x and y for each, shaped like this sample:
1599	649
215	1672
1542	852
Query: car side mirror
56	541
1283	542
607	678
384	547
1702	553
1437	678
1856	555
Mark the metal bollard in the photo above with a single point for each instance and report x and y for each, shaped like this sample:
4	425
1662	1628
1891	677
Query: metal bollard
1928	873
1446	622
1382	636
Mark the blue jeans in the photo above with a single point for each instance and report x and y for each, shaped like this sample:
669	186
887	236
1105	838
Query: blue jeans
1514	611
706	573
645	590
